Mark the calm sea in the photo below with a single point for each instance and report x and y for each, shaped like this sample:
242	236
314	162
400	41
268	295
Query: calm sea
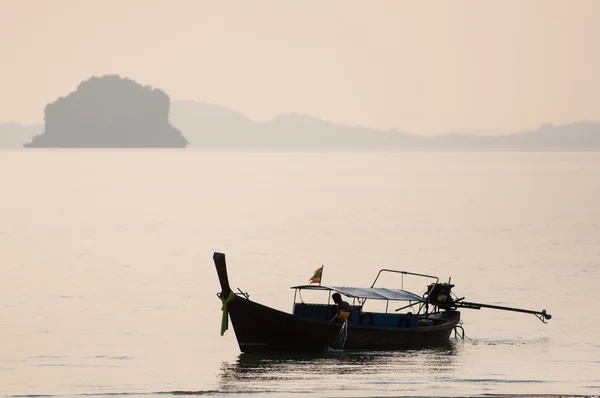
108	287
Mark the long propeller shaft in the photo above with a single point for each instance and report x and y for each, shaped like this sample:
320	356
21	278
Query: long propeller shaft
476	306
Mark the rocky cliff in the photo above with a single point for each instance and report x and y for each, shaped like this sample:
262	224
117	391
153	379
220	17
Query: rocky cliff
109	111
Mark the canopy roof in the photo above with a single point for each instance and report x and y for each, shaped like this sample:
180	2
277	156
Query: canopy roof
376	293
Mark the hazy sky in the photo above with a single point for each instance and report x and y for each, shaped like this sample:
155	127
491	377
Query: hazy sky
422	67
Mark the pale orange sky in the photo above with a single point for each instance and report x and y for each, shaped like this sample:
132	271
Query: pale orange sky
422	67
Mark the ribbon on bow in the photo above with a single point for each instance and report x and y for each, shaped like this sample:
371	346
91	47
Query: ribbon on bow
225	301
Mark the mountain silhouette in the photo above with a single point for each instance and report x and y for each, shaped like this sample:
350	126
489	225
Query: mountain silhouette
14	135
109	111
211	126
214	126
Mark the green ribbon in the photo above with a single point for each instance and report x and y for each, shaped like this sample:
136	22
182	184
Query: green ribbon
225	301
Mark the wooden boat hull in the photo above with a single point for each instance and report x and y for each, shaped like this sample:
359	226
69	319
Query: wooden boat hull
262	329
259	328
398	338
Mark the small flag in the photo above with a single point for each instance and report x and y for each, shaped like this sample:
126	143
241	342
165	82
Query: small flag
316	278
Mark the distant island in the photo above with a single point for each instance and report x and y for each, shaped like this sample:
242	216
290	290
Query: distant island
109	112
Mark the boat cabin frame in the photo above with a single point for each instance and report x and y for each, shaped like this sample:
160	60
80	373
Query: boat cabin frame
360	296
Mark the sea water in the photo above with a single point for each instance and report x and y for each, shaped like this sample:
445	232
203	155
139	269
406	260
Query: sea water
108	285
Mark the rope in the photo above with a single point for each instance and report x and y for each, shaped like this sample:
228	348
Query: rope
341	337
224	309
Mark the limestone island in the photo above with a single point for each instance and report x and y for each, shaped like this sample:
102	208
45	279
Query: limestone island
109	112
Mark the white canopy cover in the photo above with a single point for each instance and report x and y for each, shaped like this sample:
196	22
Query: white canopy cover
377	293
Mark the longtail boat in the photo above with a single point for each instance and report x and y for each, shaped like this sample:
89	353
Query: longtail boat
421	320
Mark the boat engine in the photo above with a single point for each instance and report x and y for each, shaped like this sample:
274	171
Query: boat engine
439	294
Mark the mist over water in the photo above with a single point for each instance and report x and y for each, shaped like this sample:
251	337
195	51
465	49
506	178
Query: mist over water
108	285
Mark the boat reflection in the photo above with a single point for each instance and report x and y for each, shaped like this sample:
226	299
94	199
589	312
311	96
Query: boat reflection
274	372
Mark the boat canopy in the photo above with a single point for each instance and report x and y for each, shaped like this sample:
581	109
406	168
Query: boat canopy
376	293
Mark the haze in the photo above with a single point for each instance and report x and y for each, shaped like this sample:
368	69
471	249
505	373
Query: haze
425	68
